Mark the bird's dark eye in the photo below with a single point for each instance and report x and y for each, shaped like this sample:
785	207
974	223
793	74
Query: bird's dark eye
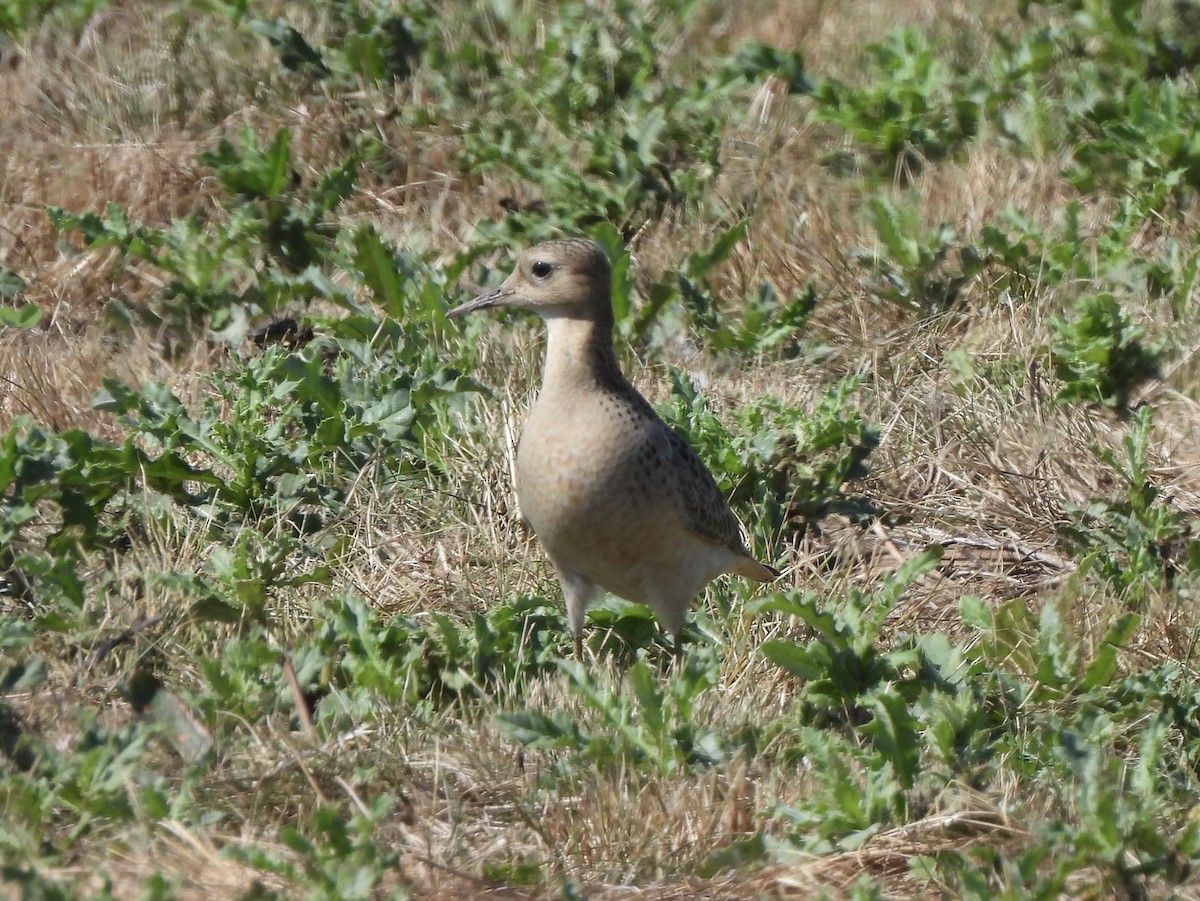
541	269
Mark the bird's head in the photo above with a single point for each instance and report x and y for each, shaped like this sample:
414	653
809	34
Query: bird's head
568	278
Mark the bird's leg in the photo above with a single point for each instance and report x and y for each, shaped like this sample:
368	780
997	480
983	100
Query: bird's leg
578	592
678	649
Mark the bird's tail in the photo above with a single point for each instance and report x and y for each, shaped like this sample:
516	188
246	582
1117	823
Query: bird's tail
750	568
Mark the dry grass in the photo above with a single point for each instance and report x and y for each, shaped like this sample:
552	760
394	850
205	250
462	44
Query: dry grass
984	466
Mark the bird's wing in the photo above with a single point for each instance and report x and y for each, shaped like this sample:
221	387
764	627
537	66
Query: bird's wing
701	505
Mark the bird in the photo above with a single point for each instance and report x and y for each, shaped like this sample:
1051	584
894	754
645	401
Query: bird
619	501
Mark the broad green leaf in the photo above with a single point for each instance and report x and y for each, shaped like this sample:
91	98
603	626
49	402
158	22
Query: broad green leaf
214	610
894	732
798	661
377	263
698	265
975	612
536	730
11	285
114	396
295	53
25	316
734	856
15	633
1100	671
650	700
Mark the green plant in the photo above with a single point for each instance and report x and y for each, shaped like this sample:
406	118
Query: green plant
755	60
1080	69
276	448
1137	540
268	252
855	795
1099	354
366	41
912	113
1173	275
912	271
284	429
788	463
1091	745
1149	147
332	856
25	315
93	784
1041	648
844	664
62	499
1023	258
434	659
169	562
647	727
20	16
591	117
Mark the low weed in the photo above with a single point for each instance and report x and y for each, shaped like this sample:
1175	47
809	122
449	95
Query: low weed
267	253
1136	540
1099	355
636	723
337	857
788	464
912	267
24	315
912	113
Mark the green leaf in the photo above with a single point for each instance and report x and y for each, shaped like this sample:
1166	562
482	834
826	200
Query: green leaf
25	316
613	245
949	660
114	396
698	265
11	284
755	60
377	263
1100	671
787	604
734	856
213	609
295	53
975	612
336	184
536	730
250	171
650	700
15	633
910	570
885	218
798	661
895	735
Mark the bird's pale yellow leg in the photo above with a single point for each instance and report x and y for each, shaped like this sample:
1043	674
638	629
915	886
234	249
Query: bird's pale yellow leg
578	592
678	651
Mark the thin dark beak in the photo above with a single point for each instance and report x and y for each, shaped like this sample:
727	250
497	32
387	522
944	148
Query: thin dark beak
488	299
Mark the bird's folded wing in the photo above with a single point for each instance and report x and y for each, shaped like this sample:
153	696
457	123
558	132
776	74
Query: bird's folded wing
700	503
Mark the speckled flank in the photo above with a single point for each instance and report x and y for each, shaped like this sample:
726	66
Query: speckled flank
620	502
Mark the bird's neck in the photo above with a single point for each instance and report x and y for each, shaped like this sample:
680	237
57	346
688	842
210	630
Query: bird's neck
579	353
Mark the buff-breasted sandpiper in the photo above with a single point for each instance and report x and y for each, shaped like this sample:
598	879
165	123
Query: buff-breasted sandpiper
620	502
